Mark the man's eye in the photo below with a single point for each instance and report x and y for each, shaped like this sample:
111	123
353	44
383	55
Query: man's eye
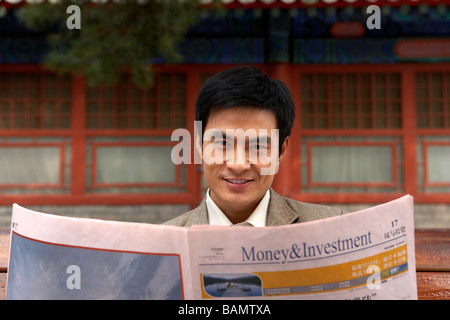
258	146
221	143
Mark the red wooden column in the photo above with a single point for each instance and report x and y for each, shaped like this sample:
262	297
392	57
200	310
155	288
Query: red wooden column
283	72
409	129
78	125
194	177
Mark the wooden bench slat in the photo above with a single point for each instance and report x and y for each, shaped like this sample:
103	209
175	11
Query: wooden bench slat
3	277
433	285
4	248
432	249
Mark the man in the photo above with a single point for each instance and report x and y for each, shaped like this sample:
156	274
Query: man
241	110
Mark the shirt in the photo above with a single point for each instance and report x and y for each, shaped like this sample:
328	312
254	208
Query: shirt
257	218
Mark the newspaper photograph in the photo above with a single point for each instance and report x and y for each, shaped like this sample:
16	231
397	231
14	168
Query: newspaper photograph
367	254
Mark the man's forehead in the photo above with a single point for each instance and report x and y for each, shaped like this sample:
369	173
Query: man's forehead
226	133
239	114
250	135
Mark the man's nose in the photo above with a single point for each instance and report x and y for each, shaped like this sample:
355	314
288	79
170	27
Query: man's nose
239	161
238	168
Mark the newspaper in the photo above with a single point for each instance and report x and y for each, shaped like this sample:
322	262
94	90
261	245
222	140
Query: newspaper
362	255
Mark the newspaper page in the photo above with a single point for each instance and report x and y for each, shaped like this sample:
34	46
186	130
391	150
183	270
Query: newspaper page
56	257
362	255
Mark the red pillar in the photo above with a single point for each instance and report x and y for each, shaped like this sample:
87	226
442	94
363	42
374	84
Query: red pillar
78	129
283	72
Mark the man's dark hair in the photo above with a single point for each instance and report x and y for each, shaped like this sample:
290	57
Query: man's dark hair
246	87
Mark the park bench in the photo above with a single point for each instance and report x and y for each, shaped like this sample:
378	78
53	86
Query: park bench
432	263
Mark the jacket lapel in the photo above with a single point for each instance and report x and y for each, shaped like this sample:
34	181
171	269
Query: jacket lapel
279	213
198	215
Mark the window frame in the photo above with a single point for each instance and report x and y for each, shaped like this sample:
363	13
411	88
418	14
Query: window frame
290	185
78	133
394	162
288	179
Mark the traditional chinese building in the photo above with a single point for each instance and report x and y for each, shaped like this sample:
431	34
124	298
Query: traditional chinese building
373	111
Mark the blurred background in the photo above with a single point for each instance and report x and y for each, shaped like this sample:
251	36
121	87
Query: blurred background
86	116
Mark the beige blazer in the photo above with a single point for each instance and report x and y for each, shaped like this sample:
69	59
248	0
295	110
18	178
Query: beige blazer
281	211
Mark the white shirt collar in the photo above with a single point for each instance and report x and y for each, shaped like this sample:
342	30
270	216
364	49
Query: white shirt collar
257	218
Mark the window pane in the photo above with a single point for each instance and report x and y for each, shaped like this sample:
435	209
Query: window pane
438	163
350	164
350	100
432	100
34	101
134	165
129	107
26	165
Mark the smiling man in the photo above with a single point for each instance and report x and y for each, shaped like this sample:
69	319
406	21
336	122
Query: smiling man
246	119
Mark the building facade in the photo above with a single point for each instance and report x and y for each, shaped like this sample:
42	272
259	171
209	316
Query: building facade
372	112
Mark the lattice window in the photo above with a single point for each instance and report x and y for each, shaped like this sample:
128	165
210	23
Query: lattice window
35	100
351	164
35	165
126	106
433	158
433	100
350	101
132	165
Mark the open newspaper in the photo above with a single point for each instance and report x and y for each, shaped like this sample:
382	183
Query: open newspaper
362	255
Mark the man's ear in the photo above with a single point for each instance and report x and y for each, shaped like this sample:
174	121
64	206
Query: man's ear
283	148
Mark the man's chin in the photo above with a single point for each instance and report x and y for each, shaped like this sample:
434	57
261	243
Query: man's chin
237	199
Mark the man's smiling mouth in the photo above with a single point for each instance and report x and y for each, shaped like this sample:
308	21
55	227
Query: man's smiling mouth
238	181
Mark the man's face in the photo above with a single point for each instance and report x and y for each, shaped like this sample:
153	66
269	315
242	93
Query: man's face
234	171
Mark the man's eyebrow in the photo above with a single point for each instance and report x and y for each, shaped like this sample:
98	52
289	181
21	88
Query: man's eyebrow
253	139
258	139
217	133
